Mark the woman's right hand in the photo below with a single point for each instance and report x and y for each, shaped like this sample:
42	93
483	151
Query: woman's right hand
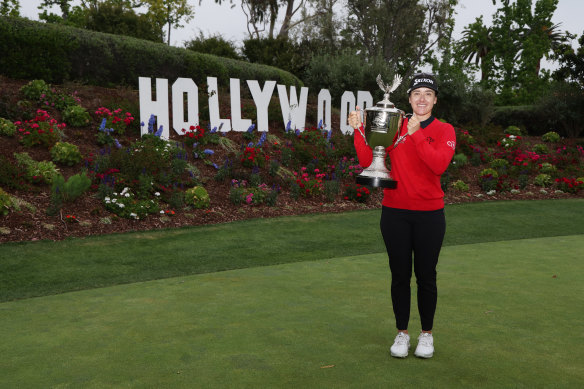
355	118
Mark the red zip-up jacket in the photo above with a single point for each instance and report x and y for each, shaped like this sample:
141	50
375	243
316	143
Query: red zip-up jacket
417	163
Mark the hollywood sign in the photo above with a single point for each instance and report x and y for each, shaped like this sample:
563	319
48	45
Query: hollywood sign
185	94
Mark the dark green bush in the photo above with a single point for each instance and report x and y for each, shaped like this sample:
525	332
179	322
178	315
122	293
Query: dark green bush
348	72
527	117
58	53
69	190
216	45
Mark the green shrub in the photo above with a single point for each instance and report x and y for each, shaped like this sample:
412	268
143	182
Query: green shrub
37	172
198	197
500	165
561	109
513	130
216	45
76	116
544	180
5	203
7	128
66	153
346	71
331	189
488	179
531	118
540	148
460	186
35	90
459	160
547	168
551	137
11	175
67	191
57	53
523	181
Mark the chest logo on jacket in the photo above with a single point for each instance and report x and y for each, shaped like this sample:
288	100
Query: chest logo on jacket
452	144
430	140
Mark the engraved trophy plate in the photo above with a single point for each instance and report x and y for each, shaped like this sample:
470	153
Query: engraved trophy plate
382	122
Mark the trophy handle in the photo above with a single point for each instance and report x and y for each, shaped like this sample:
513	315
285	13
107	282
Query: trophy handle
358	129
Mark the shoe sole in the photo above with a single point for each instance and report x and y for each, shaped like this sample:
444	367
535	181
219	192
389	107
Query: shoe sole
424	356
398	355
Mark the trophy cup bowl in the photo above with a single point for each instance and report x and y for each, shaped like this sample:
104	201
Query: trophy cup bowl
382	122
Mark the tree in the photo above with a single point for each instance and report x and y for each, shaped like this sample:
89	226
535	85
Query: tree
170	13
510	51
263	14
402	32
571	62
64	5
477	43
10	8
320	28
117	18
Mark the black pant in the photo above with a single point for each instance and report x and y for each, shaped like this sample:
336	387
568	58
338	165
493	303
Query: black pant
421	233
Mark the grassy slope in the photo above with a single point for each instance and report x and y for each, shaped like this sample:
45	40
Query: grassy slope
44	268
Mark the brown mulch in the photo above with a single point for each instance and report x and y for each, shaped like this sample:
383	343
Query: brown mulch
32	223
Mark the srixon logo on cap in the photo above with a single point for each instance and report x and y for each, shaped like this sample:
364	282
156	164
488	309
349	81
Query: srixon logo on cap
426	80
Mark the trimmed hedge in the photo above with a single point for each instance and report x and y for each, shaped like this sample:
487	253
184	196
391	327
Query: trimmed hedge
57	53
527	117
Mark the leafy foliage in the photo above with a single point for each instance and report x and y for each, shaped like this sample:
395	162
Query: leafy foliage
66	53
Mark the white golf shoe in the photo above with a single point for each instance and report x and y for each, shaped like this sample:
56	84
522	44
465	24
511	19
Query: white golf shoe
401	345
425	348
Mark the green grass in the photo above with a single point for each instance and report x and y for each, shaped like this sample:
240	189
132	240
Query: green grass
44	268
508	317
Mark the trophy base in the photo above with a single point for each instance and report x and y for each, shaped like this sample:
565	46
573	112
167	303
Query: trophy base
376	182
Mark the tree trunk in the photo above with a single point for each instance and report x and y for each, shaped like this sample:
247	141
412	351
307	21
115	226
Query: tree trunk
284	30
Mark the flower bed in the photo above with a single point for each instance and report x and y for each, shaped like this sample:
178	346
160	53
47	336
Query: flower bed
206	176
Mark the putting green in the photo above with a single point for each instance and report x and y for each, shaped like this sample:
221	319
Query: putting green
509	315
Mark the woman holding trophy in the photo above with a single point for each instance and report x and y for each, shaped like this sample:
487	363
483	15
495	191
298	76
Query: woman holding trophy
412	217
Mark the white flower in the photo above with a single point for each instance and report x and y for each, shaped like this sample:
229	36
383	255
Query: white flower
107	199
121	205
127	195
491	192
114	200
515	191
157	194
543	191
162	212
134	215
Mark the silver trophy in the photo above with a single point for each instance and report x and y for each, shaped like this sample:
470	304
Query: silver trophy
382	122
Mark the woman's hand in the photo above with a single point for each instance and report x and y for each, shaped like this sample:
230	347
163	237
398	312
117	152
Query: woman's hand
413	124
355	118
